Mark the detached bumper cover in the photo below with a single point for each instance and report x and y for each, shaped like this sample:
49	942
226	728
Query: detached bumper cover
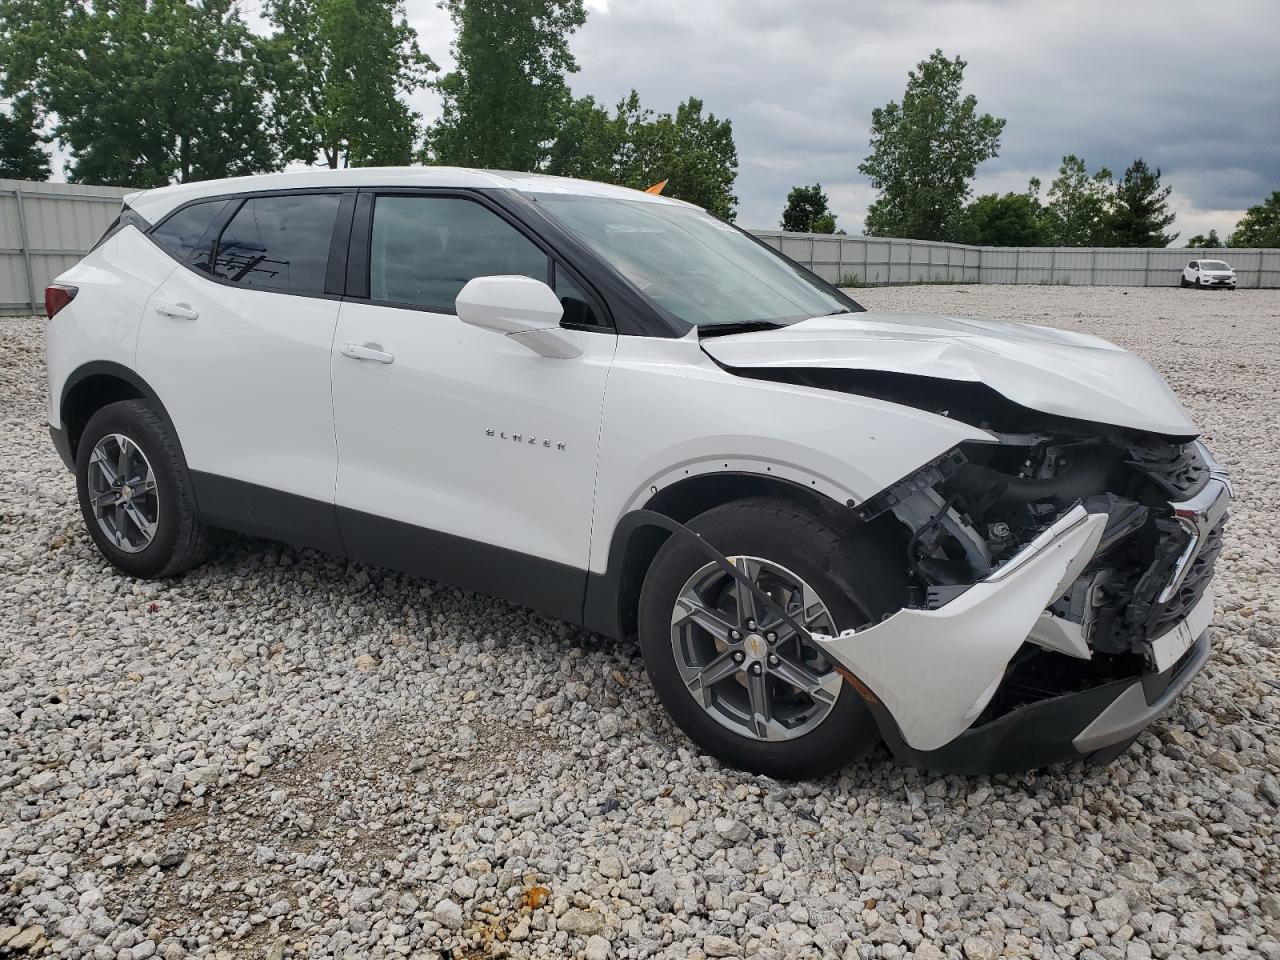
935	670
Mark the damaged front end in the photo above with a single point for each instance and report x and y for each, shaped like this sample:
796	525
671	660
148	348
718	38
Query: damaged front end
1059	583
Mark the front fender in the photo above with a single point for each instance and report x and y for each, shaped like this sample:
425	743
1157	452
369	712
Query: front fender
671	413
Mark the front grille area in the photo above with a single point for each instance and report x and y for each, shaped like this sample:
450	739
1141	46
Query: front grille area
1164	616
1127	609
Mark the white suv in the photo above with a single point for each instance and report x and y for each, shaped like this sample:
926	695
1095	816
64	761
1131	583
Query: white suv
1202	274
988	544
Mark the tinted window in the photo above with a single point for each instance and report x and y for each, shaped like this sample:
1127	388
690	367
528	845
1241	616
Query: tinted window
188	234
425	249
578	306
279	243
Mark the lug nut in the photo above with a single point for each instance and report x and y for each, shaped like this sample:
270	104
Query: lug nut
771	637
737	657
755	669
734	634
773	659
751	624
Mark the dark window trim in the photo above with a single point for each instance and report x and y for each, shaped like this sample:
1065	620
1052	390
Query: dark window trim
239	199
128	217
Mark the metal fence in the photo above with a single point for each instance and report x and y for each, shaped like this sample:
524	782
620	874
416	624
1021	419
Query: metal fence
879	260
46	227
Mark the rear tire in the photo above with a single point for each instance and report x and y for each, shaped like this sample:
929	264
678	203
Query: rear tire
778	544
135	492
1183	282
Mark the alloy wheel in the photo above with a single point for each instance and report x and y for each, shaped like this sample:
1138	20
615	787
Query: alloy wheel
742	664
122	493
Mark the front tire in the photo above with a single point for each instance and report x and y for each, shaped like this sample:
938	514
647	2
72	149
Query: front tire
763	700
135	492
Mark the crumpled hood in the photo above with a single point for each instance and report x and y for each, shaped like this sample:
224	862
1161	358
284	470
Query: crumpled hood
1053	371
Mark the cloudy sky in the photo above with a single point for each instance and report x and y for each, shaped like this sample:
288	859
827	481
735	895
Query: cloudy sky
1192	87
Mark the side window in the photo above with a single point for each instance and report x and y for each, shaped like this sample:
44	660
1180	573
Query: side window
423	250
578	306
279	243
188	235
1195	264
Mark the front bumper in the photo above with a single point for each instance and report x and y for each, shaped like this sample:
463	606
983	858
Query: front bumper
941	682
1096	725
62	443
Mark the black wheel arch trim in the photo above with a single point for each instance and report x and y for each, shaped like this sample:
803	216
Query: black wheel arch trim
109	368
602	606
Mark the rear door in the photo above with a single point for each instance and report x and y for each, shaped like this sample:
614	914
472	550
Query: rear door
237	345
463	455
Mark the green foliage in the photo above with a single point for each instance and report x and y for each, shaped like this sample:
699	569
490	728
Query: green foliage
1260	226
1078	204
1140	209
337	70
1211	242
1012	220
145	91
635	147
807	211
22	155
503	102
925	151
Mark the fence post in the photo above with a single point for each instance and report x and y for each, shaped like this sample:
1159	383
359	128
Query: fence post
1053	264
1146	270
1017	264
24	241
1093	264
888	273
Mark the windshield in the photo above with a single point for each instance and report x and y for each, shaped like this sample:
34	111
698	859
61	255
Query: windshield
706	272
1213	265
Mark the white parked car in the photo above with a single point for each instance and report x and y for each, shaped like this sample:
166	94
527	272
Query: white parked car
1202	274
988	544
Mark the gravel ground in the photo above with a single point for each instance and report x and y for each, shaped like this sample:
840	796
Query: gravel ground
285	755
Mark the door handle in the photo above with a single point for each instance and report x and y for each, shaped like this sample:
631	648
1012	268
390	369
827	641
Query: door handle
366	351
178	311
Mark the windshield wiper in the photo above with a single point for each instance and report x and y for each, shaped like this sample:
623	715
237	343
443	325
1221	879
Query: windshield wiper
737	326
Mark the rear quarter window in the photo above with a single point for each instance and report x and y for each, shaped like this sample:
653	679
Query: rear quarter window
188	234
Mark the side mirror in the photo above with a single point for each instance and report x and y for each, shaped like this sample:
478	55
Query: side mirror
524	309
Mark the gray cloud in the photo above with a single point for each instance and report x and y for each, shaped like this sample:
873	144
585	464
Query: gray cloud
1192	88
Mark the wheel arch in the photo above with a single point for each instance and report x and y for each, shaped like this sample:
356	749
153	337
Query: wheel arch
612	598
92	386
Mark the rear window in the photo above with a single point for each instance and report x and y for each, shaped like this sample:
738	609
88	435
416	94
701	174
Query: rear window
279	243
188	235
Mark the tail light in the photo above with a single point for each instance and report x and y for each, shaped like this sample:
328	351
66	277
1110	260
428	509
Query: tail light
57	296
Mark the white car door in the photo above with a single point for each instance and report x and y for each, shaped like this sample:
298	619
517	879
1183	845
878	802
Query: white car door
462	455
237	343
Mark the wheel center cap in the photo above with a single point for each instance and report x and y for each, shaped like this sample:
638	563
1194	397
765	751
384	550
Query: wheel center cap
755	646
126	491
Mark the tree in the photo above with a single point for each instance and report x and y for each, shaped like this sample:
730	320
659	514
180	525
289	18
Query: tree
503	101
807	211
695	154
588	142
1260	225
635	147
925	151
1201	242
1078	203
21	155
1140	209
338	69
144	91
1012	220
